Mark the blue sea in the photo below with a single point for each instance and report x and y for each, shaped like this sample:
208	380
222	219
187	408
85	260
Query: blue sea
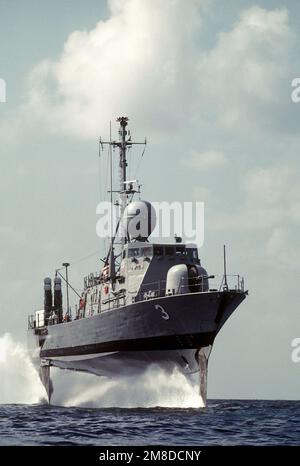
222	422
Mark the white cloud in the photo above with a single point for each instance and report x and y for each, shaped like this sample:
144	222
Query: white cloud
270	197
268	210
273	195
138	62
283	247
242	75
7	231
208	160
146	61
277	241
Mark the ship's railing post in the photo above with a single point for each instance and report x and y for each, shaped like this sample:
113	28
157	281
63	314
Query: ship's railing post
221	285
235	282
30	321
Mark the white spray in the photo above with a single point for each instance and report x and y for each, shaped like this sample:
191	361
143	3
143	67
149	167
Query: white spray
19	382
152	388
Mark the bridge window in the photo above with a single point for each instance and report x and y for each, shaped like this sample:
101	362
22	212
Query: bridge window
146	252
134	252
180	251
169	250
158	250
192	253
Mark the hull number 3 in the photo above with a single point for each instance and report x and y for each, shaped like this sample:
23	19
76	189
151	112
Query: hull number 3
164	313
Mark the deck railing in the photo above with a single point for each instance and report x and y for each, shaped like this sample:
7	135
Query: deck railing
200	284
157	289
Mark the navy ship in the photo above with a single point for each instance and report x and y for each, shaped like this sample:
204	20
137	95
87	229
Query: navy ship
151	302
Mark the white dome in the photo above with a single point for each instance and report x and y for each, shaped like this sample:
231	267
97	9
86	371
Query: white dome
139	220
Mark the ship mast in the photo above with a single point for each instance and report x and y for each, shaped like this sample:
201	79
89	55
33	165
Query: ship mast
126	188
123	144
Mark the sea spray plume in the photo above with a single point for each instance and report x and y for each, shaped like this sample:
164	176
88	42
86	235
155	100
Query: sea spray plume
19	380
154	387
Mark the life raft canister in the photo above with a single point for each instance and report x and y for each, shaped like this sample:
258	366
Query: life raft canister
105	272
81	303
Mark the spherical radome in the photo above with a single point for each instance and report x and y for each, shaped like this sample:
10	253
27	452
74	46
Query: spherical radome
139	220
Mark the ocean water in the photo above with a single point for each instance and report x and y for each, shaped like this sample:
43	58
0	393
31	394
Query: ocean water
223	422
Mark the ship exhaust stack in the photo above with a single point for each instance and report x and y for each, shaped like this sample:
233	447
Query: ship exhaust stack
58	297
47	297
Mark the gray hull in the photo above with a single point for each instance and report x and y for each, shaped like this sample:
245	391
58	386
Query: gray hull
167	331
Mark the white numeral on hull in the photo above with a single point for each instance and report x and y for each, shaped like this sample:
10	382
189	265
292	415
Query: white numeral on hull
164	313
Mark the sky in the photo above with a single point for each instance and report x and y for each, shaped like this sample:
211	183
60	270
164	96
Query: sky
209	84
